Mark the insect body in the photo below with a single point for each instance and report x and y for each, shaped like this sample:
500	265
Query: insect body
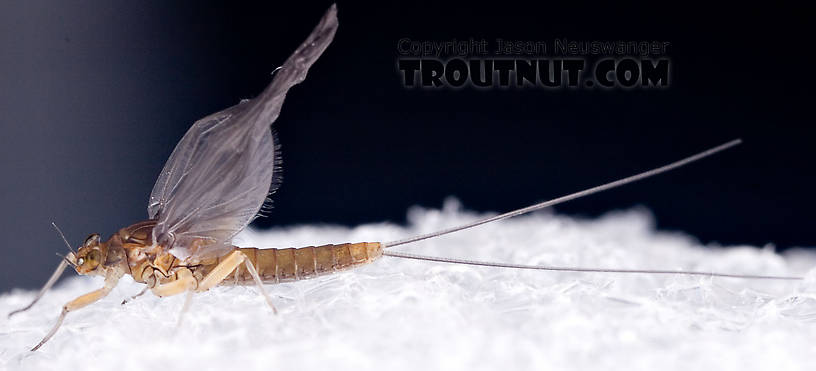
218	178
129	251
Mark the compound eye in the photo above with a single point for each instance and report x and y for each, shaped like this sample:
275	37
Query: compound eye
91	240
93	257
90	261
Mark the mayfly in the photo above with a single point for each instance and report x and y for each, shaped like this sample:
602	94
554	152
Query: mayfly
217	180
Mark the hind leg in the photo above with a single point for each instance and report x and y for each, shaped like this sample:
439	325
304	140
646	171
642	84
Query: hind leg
229	264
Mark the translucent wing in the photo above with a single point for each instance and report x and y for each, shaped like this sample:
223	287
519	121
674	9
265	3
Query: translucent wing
223	168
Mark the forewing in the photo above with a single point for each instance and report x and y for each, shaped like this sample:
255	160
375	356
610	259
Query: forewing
220	173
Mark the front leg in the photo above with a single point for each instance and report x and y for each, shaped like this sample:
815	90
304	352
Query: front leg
111	279
54	277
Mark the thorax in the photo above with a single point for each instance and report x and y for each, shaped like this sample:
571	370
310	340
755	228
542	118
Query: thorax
147	260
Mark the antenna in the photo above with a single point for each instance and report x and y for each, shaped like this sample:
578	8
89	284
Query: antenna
63	237
562	199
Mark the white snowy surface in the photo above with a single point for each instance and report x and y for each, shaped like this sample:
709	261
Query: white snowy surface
398	314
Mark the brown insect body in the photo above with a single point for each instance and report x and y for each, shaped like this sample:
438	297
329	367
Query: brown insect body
292	264
131	251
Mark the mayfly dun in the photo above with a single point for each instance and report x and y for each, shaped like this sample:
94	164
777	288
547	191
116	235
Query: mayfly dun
217	180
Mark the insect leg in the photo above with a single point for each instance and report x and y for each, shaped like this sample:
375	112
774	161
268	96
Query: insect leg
54	277
144	290
221	271
258	281
227	265
184	281
185	307
111	279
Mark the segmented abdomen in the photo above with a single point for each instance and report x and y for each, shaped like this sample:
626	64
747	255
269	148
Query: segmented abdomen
283	265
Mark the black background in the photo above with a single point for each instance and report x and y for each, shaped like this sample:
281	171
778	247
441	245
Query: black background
95	95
